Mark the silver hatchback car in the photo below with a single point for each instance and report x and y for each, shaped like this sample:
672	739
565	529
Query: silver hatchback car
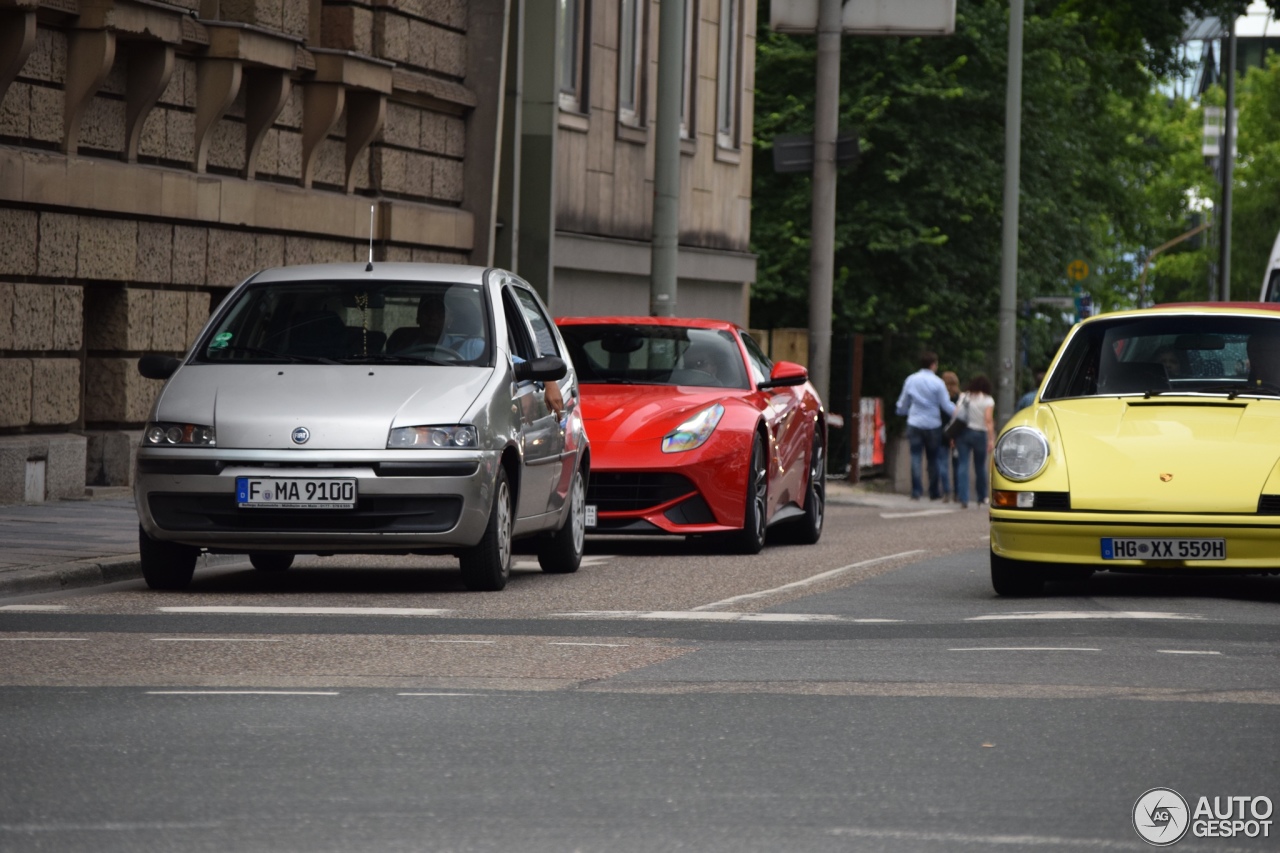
366	409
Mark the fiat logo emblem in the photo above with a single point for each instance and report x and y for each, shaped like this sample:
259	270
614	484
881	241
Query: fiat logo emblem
301	435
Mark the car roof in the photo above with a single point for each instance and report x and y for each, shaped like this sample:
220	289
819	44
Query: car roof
689	322
1256	309
382	271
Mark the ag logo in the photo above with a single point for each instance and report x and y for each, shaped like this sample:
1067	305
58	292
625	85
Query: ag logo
1161	817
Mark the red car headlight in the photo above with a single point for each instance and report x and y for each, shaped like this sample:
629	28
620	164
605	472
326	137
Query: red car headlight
694	432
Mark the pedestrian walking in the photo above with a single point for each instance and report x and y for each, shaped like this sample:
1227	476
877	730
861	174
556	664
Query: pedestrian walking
977	440
925	404
951	454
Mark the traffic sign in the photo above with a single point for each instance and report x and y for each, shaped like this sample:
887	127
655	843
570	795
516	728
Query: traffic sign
1077	270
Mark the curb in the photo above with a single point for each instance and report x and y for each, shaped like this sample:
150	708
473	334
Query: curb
79	573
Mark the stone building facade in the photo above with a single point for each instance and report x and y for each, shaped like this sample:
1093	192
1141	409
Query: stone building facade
154	153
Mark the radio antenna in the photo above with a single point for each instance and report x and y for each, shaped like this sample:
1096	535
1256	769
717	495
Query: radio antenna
369	268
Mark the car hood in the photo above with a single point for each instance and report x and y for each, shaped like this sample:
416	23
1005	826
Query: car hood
1166	455
342	406
644	412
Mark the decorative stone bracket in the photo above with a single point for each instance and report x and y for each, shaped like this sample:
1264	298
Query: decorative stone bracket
17	38
343	80
235	51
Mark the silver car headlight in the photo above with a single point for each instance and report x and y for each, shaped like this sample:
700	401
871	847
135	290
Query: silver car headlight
694	432
168	434
454	437
1021	453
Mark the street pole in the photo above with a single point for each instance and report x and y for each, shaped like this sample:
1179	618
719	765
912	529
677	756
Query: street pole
665	249
1228	164
1009	240
822	246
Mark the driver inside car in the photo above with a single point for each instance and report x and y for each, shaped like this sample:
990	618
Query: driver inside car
1264	361
438	327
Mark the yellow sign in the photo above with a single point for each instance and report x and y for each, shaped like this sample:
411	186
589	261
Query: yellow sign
1077	270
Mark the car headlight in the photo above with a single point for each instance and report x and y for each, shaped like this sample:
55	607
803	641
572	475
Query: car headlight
167	434
457	437
1021	453
693	432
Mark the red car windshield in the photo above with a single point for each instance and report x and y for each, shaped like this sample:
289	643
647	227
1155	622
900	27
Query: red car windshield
637	354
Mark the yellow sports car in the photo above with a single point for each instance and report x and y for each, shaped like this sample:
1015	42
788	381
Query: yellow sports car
1153	445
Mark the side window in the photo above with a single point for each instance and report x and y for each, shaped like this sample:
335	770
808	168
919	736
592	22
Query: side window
544	339
761	366
517	332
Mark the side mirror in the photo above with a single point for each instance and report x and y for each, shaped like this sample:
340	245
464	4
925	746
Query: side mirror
158	366
548	368
786	373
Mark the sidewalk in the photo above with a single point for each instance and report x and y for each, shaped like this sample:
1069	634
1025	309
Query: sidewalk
77	543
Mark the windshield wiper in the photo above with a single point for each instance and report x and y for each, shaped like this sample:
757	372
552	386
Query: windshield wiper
394	359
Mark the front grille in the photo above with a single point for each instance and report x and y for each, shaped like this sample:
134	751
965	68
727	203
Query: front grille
381	514
630	491
1053	500
1269	505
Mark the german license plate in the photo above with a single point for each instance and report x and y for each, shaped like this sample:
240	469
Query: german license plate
592	518
295	493
1164	549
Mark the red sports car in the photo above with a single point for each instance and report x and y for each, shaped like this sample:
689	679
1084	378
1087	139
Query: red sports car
695	431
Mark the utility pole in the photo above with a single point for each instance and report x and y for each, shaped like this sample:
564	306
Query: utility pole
1228	163
666	171
822	244
1008	342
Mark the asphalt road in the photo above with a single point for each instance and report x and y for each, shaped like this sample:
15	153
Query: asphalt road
866	693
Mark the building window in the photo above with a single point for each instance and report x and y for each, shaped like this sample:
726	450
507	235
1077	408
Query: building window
632	42
573	55
690	88
729	73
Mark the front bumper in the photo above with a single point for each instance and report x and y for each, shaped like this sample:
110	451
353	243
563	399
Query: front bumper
403	502
1252	541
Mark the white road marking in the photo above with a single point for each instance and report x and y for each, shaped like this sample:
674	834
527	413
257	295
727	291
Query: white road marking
211	640
592	560
711	616
45	639
918	513
1021	841
1185	652
313	611
472	642
34	607
241	693
1085	614
806	582
1025	649
601	645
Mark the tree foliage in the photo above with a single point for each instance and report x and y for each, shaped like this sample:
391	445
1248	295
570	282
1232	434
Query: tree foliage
1104	166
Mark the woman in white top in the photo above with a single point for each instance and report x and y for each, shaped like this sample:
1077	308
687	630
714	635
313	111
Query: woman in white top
977	441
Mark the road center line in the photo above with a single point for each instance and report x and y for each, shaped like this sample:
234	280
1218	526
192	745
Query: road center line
34	607
241	693
1025	649
211	640
1084	614
45	639
715	605
600	645
1185	652
313	611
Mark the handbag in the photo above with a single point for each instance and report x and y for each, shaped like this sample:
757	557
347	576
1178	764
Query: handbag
958	424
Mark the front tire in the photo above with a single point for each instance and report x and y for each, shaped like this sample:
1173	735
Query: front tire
486	566
271	561
166	565
1016	578
561	553
750	539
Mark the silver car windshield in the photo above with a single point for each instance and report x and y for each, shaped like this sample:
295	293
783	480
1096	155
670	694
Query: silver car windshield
618	354
352	322
1231	355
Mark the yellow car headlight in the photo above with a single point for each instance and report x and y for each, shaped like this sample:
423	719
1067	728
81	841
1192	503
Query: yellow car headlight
1021	454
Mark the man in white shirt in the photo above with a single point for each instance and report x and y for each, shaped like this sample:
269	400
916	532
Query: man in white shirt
925	402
